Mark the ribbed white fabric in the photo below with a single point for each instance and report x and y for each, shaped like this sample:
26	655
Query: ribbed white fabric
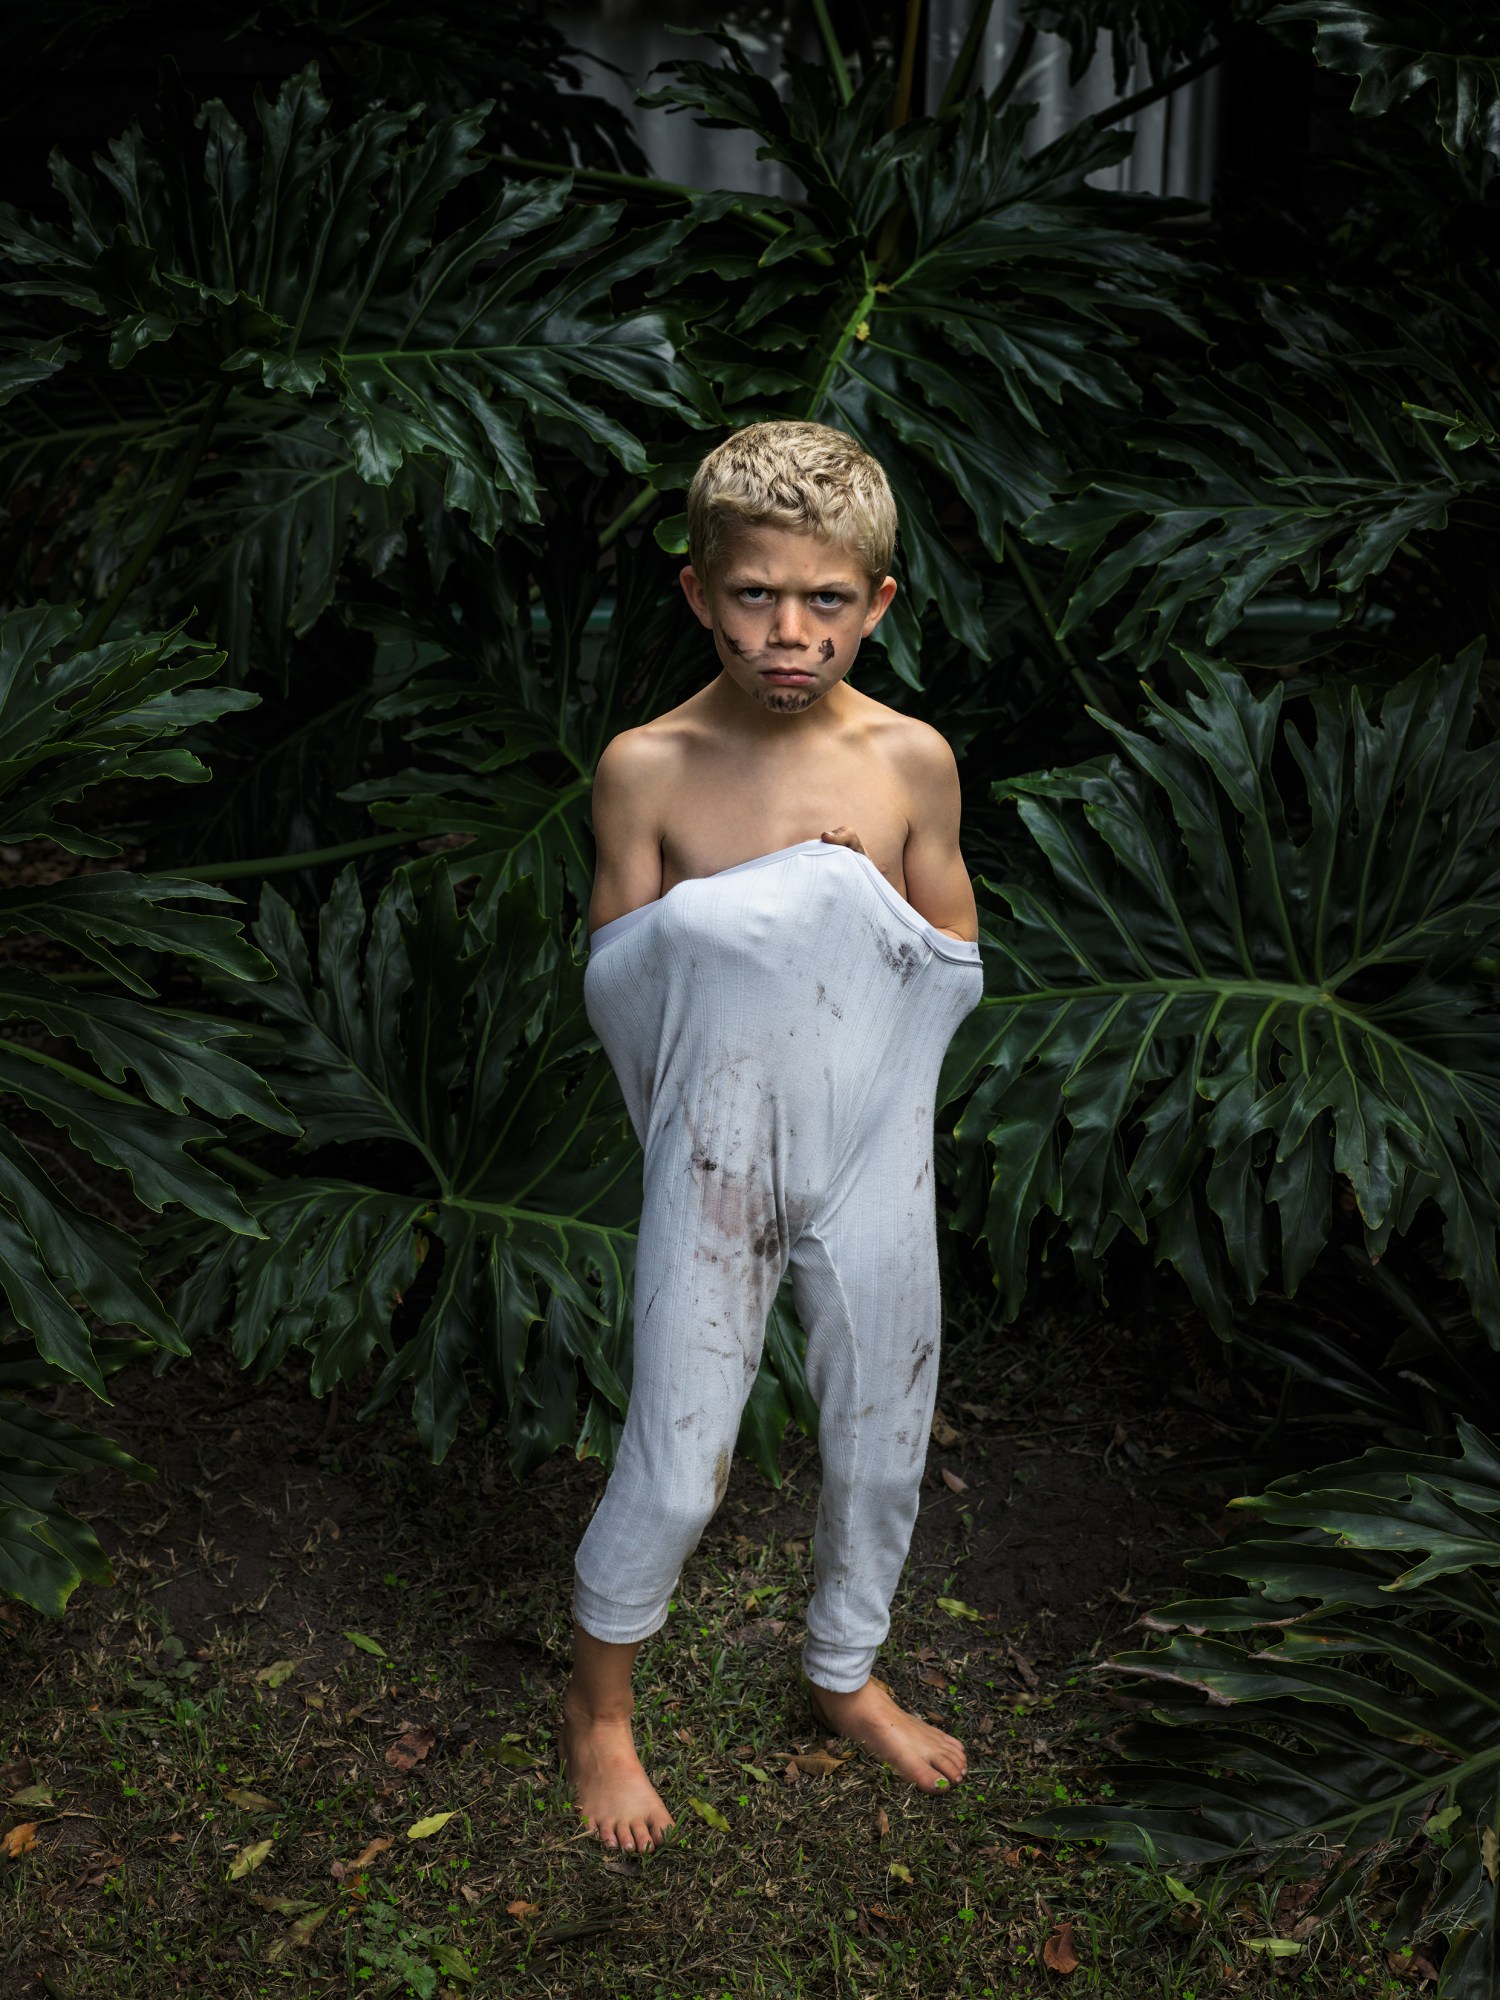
777	1030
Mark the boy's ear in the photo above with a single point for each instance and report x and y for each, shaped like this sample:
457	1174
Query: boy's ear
697	597
880	603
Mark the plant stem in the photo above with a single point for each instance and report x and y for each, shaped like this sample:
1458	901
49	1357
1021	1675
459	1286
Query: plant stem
840	347
283	864
1128	106
1064	651
905	75
103	615
967	60
627	516
835	54
1014	69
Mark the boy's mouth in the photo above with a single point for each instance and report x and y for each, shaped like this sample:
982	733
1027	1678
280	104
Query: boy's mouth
787	676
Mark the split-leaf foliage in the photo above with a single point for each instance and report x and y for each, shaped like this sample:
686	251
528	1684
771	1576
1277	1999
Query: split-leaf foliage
384	384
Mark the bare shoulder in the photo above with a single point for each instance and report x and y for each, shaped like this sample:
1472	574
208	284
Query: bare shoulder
919	752
650	753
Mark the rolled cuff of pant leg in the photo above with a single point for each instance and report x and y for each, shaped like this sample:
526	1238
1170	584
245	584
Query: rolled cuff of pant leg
837	1668
613	1623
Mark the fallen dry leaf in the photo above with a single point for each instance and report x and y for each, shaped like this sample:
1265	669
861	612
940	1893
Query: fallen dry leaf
250	1801
885	1916
1058	1954
301	1933
277	1674
882	1823
342	1870
283	1906
33	1795
422	1828
943	1433
523	1910
953	1483
1023	1667
410	1748
248	1858
817	1763
20	1840
933	1677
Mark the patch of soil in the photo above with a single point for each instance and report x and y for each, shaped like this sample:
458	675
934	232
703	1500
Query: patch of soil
271	1511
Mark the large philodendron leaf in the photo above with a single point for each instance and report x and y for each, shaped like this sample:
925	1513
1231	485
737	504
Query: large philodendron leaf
114	1070
1166	32
1336	1711
447	53
456	1044
493	1250
1313	472
1251	980
307	301
504	731
1398	47
960	304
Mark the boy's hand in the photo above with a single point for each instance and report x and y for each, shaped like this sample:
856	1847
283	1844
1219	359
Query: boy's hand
844	836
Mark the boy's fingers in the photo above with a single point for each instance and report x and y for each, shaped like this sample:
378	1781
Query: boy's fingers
844	836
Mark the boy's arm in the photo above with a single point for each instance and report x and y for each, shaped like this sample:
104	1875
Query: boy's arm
627	829
937	882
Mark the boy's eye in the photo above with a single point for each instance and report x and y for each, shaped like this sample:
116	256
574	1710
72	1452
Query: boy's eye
830	600
754	594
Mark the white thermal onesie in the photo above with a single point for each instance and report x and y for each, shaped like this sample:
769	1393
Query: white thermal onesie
777	1030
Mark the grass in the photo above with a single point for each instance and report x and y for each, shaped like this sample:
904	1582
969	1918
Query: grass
209	1719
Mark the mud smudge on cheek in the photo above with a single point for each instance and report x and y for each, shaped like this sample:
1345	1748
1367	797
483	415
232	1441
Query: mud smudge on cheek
825	651
732	643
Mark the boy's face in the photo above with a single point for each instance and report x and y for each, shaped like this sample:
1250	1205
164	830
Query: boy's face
787	610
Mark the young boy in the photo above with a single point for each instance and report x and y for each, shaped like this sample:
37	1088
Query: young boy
781	948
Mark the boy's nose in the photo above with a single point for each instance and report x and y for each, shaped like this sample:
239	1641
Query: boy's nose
789	627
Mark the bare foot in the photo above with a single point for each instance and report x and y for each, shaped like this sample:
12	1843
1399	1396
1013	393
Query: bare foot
913	1748
609	1783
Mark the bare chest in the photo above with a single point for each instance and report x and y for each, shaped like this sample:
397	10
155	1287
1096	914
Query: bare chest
723	813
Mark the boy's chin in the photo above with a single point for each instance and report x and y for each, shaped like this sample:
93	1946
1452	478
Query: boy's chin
788	701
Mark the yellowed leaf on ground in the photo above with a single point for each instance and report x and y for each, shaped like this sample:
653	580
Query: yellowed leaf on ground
956	1608
19	1840
33	1795
367	1645
710	1815
818	1763
1058	1954
277	1674
250	1801
953	1483
434	1823
249	1858
523	1910
410	1748
882	1823
342	1870
900	1871
301	1933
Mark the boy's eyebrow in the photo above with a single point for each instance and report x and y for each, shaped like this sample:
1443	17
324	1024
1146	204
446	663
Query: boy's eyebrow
748	580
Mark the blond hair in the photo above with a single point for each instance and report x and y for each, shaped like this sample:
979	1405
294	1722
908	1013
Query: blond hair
802	476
